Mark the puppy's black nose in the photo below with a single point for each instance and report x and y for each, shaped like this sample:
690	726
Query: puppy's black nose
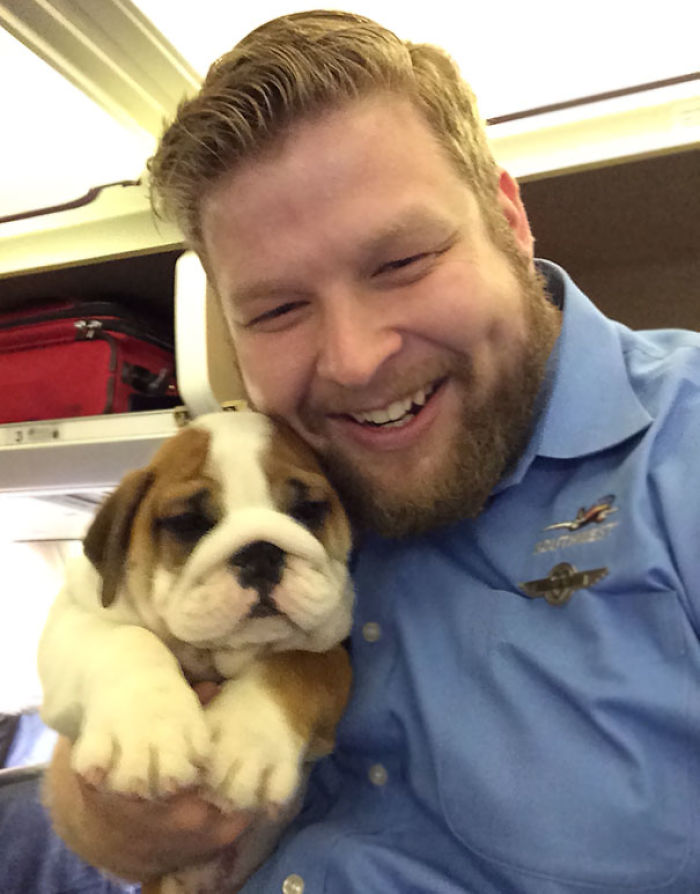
259	565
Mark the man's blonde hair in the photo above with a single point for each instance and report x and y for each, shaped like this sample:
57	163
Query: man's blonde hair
295	67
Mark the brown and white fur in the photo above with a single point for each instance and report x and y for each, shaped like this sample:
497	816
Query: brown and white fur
224	560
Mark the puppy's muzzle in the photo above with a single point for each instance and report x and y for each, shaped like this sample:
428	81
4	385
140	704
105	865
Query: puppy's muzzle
259	565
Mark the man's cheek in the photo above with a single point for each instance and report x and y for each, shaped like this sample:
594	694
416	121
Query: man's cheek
255	394
265	389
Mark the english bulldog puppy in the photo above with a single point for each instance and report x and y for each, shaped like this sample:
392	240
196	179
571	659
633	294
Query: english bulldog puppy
224	560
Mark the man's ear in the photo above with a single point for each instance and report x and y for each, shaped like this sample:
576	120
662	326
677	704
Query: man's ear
107	541
514	211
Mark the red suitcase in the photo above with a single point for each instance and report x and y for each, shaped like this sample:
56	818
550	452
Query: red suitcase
83	359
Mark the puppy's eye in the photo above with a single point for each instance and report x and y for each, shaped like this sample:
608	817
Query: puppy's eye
187	526
311	513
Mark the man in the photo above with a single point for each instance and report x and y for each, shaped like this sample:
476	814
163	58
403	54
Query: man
519	469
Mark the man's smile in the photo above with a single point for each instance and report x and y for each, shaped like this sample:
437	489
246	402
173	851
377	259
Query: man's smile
397	413
398	426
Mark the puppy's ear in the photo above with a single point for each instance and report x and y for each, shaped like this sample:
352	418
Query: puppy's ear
107	540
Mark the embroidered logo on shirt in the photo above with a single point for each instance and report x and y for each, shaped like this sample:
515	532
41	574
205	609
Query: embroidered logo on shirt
590	535
597	513
561	583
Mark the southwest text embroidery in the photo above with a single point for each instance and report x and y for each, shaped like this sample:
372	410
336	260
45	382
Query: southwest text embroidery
589	535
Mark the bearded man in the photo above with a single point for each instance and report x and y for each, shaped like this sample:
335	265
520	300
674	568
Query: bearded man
517	467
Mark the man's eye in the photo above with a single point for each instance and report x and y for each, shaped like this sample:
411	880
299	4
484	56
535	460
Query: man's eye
411	264
400	263
414	265
187	526
274	314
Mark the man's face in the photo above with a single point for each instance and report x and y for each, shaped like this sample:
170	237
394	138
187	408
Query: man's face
371	309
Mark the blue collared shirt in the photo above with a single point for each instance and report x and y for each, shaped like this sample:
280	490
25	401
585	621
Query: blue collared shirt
500	743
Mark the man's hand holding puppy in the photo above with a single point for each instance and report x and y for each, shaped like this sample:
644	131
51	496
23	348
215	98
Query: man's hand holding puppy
136	838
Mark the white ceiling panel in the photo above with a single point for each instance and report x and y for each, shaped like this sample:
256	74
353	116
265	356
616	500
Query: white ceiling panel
516	55
56	142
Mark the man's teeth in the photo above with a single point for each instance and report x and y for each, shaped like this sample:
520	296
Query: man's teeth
395	412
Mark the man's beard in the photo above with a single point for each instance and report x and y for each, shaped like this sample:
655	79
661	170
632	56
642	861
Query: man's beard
489	441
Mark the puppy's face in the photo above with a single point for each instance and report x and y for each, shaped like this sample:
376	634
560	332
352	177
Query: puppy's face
231	538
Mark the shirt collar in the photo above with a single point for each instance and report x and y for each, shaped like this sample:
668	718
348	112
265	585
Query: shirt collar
587	401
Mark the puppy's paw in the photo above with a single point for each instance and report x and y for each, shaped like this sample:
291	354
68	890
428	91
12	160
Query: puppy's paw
256	756
250	774
149	743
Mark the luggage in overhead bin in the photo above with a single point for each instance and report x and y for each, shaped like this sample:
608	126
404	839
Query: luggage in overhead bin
83	358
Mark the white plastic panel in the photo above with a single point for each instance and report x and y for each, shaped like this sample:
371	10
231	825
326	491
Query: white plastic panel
206	370
89	453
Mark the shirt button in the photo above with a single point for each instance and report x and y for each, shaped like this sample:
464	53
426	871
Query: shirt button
293	884
371	631
378	774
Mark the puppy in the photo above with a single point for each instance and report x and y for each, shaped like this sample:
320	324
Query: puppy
224	560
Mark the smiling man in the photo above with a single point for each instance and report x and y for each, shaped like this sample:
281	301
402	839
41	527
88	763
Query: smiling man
371	307
525	714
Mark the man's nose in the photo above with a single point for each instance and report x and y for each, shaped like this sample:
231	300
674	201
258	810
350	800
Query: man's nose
354	341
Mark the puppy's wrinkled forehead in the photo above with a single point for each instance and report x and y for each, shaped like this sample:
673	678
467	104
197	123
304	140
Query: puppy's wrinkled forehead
226	462
213	465
253	460
237	443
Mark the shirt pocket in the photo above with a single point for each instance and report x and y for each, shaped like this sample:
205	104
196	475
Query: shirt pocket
573	758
